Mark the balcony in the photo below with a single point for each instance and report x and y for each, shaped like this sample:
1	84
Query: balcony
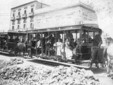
18	17
24	16
12	18
31	14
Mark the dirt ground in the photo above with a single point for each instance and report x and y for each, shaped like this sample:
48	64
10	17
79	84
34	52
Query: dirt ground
99	73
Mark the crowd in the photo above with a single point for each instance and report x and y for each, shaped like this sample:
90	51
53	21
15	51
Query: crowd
59	44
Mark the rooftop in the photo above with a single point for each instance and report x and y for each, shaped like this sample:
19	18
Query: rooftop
52	9
25	3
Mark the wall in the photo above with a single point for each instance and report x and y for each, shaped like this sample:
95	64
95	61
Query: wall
71	16
27	7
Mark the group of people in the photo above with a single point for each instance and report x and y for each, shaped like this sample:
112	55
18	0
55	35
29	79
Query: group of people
54	45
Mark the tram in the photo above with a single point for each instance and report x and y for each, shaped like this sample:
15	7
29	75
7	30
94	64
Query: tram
61	34
72	39
63	44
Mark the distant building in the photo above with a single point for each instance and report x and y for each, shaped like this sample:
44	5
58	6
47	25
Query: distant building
22	16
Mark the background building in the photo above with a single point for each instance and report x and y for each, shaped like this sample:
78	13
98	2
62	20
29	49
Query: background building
74	14
22	16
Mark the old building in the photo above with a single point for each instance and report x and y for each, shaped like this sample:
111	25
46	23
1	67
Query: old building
22	16
35	15
74	14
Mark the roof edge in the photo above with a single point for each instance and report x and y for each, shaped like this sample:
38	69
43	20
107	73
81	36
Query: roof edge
26	4
65	7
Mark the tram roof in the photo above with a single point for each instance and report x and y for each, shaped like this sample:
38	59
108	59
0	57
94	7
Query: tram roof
17	33
3	33
88	27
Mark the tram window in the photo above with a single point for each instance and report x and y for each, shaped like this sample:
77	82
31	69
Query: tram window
74	36
91	34
78	35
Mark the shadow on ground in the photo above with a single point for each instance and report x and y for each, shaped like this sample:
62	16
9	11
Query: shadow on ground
43	62
99	70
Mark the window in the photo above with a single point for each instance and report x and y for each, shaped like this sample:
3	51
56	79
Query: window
24	26
13	15
25	20
18	27
32	10
13	22
31	26
18	21
12	27
19	14
31	19
25	12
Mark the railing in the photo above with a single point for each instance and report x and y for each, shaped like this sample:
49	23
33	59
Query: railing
24	16
18	17
12	18
31	14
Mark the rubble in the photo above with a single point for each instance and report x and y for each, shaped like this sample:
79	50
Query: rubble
13	74
15	61
70	76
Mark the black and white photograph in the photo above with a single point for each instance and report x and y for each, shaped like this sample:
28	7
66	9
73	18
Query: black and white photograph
56	42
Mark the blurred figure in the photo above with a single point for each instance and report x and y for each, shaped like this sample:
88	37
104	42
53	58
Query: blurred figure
58	46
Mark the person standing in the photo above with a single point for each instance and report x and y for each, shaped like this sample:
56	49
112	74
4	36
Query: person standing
97	41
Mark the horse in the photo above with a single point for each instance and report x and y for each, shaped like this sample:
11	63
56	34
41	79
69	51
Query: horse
109	54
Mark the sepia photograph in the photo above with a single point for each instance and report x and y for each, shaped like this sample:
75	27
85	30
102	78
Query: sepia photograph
56	42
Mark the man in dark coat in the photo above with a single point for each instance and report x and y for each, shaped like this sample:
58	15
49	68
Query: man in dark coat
97	41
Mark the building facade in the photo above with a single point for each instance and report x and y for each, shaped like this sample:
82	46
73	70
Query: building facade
35	15
75	14
22	16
